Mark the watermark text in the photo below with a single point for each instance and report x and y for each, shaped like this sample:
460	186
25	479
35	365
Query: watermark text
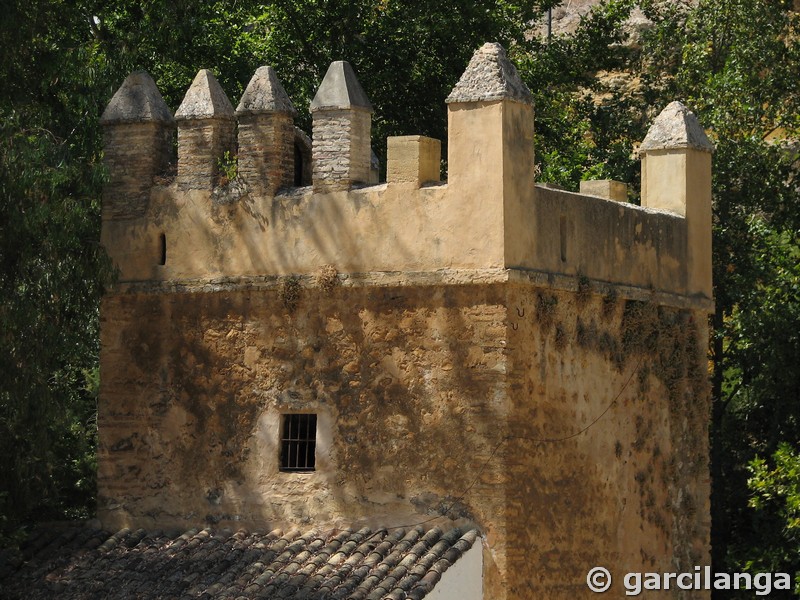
599	580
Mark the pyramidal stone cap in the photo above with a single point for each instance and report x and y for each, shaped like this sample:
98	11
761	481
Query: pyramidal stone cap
676	127
340	89
265	94
490	76
205	99
137	100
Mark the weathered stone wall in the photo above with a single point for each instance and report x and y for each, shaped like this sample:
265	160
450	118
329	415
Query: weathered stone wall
201	146
131	171
608	443
341	148
266	152
464	399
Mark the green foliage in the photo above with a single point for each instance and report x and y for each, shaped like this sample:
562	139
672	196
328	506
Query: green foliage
739	69
52	268
585	129
776	500
228	167
408	54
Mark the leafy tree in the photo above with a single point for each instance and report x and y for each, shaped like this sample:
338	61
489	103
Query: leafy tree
740	68
51	266
408	54
585	127
776	500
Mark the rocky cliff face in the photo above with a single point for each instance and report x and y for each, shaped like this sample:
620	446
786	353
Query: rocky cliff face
568	14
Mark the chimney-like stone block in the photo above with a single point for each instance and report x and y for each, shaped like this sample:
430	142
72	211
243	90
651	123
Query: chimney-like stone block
413	159
605	188
206	131
342	123
137	145
676	177
266	134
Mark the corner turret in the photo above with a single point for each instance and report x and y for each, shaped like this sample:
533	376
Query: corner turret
490	144
676	176
137	133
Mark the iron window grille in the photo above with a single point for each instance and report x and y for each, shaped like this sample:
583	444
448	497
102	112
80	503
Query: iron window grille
298	442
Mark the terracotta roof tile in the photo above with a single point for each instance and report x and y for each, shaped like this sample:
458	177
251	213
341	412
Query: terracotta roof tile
79	562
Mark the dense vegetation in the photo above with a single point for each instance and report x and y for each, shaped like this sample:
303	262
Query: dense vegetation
736	63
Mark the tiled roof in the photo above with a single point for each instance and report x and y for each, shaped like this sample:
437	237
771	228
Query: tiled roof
85	563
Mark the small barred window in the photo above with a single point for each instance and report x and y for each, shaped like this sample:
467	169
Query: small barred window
298	442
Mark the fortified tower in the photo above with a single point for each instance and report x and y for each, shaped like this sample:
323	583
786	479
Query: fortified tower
483	350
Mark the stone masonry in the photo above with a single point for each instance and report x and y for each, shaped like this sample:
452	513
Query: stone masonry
136	119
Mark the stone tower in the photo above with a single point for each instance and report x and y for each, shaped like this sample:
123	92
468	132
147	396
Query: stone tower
138	128
480	351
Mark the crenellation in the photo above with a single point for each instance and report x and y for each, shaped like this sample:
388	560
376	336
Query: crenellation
605	188
676	177
413	159
342	122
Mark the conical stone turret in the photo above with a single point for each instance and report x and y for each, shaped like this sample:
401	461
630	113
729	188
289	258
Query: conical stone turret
342	121
206	128
490	76
137	145
490	143
266	134
676	177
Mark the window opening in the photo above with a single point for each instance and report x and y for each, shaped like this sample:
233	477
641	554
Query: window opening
298	166
298	442
162	249
563	232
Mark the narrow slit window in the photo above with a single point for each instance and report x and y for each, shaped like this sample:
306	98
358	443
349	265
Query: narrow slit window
162	249
563	234
298	442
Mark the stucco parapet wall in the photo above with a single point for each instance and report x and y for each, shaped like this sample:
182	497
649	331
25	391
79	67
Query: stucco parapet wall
443	277
604	240
490	76
396	227
676	127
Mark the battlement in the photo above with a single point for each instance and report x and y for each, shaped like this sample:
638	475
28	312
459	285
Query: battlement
489	216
